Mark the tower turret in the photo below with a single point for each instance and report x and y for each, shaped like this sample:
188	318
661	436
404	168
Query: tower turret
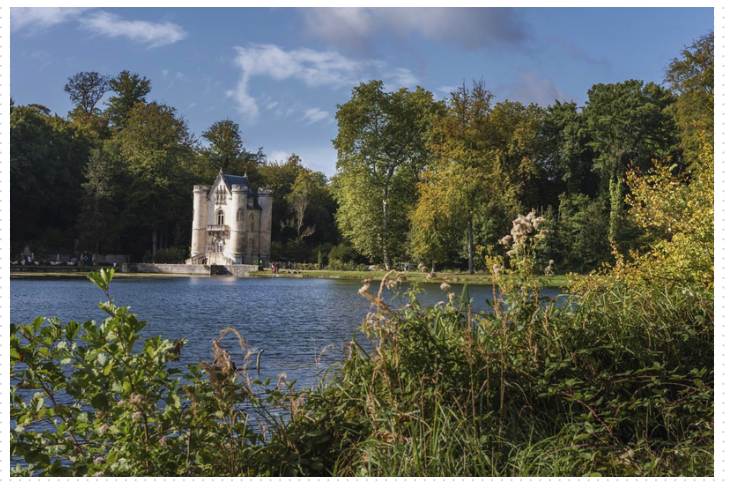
236	243
199	219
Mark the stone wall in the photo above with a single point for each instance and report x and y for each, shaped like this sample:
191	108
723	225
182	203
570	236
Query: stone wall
234	270
165	268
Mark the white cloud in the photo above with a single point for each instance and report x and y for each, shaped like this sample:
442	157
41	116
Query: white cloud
532	88
278	155
350	27
468	28
400	77
315	115
446	90
151	33
35	19
312	68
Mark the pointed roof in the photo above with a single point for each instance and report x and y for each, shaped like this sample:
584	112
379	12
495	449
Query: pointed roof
231	180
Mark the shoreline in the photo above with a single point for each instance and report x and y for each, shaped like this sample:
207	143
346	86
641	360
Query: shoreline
453	278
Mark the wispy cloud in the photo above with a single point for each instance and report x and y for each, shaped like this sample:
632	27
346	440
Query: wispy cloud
532	88
35	19
446	90
310	67
315	115
466	28
278	155
154	34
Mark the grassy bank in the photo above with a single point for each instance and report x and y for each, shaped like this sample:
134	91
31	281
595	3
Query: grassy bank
454	278
84	276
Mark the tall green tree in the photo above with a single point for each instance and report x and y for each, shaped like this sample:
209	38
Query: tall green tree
86	89
226	151
158	157
380	151
630	124
97	224
129	89
567	161
459	179
47	157
691	77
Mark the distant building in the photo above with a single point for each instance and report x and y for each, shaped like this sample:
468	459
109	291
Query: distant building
231	223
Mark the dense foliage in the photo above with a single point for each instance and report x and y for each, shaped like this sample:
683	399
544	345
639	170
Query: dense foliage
417	179
615	378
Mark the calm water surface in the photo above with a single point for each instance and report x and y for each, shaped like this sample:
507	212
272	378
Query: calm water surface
292	319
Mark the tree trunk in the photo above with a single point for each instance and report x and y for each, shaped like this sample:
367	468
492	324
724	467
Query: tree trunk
385	251
470	244
432	266
154	242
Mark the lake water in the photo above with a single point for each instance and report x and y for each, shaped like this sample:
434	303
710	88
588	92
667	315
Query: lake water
292	319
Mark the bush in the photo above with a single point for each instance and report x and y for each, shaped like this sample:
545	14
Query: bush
171	255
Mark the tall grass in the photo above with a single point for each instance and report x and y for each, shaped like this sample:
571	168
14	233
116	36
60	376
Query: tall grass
617	381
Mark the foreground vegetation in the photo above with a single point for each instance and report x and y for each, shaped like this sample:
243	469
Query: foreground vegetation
618	381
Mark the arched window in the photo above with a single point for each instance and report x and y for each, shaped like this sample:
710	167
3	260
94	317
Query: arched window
252	224
221	218
240	216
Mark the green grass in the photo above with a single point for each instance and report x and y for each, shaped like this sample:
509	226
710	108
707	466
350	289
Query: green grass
454	278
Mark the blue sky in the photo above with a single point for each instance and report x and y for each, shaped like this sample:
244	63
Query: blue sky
280	73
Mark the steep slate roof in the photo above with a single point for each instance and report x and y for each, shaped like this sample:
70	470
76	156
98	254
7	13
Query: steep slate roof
231	180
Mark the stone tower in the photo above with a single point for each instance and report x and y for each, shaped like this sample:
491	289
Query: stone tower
235	246
199	220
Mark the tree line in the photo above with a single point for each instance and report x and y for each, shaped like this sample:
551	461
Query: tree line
117	177
440	180
418	179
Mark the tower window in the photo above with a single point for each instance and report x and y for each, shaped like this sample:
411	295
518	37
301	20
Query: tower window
221	218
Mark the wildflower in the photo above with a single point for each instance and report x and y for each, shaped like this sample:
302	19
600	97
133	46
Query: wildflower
497	269
365	286
445	287
136	415
103	428
163	441
99	460
505	240
120	403
441	303
451	296
98	474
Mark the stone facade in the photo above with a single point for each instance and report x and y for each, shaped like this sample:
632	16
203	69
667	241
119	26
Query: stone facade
231	224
